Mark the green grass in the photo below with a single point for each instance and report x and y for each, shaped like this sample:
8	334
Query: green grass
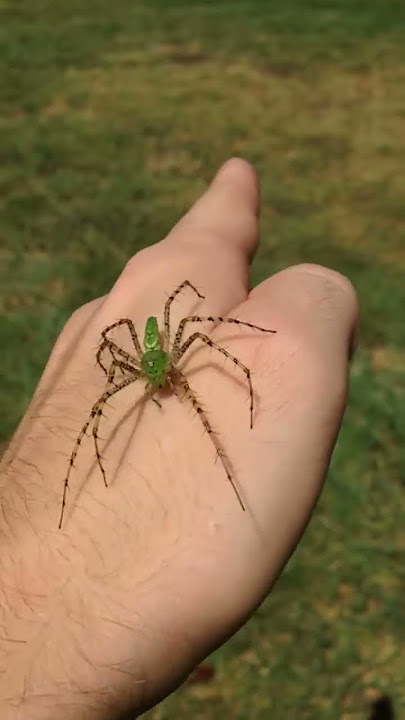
114	117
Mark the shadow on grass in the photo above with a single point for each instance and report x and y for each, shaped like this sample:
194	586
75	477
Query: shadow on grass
382	709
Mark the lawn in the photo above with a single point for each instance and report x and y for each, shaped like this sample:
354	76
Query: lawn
114	116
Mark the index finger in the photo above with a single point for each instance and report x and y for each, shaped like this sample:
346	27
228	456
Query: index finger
211	246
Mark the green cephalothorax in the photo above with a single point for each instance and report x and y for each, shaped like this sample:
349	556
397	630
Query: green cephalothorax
152	340
157	364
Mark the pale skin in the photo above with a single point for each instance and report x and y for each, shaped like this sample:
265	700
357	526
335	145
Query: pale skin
112	612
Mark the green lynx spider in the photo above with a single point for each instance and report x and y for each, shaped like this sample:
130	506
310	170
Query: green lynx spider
157	364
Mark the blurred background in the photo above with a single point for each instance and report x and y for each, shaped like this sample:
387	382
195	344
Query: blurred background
114	117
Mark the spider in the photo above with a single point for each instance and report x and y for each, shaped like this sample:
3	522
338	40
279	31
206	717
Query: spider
158	365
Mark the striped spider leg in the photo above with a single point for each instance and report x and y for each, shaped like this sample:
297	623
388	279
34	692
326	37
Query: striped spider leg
94	420
179	350
166	315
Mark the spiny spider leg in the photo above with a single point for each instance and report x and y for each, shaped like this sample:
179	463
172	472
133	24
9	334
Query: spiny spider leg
126	366
182	380
131	328
104	346
209	318
110	345
205	339
98	405
185	283
99	412
149	390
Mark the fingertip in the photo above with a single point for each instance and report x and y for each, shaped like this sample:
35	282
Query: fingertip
241	175
227	212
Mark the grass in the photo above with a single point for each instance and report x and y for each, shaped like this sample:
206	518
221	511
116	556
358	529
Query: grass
114	118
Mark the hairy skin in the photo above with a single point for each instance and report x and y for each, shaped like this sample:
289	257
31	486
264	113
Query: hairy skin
104	618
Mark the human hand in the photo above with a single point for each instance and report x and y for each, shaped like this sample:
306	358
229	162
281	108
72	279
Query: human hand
148	576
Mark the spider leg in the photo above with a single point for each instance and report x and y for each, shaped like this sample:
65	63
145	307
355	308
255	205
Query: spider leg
104	345
131	327
147	394
95	411
100	353
159	404
114	349
205	339
99	413
130	368
220	452
185	283
209	318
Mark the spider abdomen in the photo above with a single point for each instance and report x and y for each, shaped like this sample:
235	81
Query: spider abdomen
155	365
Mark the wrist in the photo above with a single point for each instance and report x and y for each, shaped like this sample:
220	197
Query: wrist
67	638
